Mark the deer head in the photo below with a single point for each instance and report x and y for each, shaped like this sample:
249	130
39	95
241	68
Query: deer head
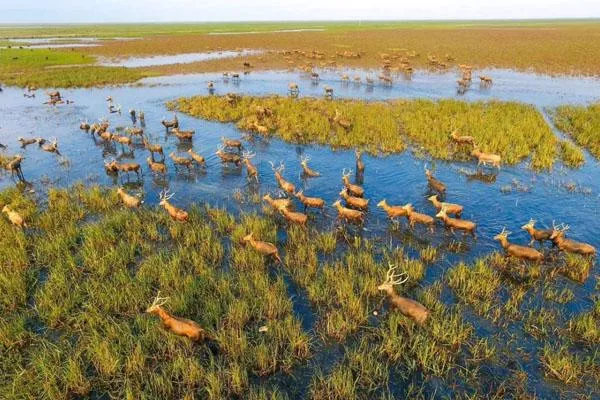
392	279
336	203
248	237
558	231
409	208
165	197
304	159
346	173
382	203
529	225
157	303
502	235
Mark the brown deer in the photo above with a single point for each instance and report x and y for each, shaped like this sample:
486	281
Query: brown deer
536	234
183	135
306	170
349	214
328	91
200	160
354	202
14	166
514	250
353	189
392	212
458	224
414	217
461	139
174	123
228	157
341	121
153	148
135	131
486	158
14	217
264	248
182	161
26	142
125	140
451	209
568	245
129	200
250	168
360	165
232	143
293	89
51	147
435	183
105	135
263	112
294	217
408	307
84	126
263	130
114	166
486	81
176	325
285	185
313	202
175	213
277	203
158	167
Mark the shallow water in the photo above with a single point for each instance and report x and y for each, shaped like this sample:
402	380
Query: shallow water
185	58
397	178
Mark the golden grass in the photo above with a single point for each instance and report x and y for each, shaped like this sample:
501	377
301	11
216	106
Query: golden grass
582	124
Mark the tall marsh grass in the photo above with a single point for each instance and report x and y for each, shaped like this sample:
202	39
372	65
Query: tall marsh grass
582	123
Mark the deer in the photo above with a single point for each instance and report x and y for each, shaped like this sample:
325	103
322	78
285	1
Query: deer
251	168
285	185
306	170
51	147
183	161
314	76
313	202
183	135
158	167
486	158
232	143
293	89
200	160
451	208
370	81
26	142
360	165
265	248
174	123
434	183
349	214
517	251
354	202
262	112
14	166
113	166
539	235
460	139
153	148
176	214
392	212
106	136
408	307
277	203
14	217
228	157
178	326
84	126
341	121
129	200
568	245
210	86
414	217
297	218
353	189
458	224
124	140
328	90
486	81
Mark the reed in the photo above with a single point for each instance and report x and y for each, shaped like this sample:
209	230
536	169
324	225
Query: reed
582	123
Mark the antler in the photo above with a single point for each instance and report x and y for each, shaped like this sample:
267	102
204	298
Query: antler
304	159
395	279
281	167
504	232
346	172
248	154
159	301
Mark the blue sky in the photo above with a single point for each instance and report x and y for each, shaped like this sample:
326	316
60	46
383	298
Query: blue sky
60	11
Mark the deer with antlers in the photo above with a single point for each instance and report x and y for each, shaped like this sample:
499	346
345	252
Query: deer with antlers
181	161
177	214
200	160
306	170
158	167
228	157
283	184
14	217
176	325
129	200
265	248
462	139
174	123
408	307
153	148
414	217
457	224
434	183
392	212
539	235
451	208
517	251
568	245
348	214
312	202
277	203
250	168
486	158
354	202
353	189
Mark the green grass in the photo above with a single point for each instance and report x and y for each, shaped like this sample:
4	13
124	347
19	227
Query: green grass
582	123
514	131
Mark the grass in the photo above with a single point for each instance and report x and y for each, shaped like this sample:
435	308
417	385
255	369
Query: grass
514	131
582	123
571	155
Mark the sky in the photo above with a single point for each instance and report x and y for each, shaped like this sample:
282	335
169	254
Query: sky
70	11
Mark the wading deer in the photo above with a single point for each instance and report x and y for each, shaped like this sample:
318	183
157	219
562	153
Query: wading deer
181	161
178	326
232	143
285	185
158	167
177	214
354	202
174	123
14	166
408	307
348	214
26	142
514	250
200	160
153	148
414	217
435	183
294	217
486	81
460	139
458	224
51	147
451	209
124	140
306	170
353	189
536	234
486	158
183	135
228	157
277	203
360	165
84	126
114	166
129	200
135	131
313	202
264	248
250	168
392	212
328	91
568	245
14	217
293	89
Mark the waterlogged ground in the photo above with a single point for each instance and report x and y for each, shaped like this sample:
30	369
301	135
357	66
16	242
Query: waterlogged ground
493	199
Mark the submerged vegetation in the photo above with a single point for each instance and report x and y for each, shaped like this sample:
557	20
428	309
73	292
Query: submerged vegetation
582	124
512	130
